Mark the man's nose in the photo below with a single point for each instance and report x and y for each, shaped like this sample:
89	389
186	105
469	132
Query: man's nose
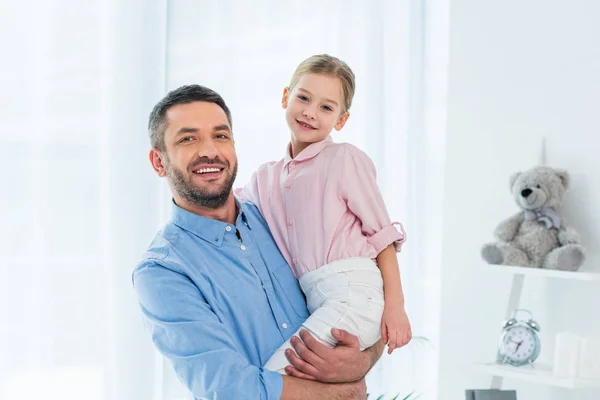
207	149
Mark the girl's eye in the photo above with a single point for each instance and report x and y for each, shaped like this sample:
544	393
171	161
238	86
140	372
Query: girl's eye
303	98
327	108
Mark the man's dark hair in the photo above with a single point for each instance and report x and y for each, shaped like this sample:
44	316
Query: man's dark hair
182	95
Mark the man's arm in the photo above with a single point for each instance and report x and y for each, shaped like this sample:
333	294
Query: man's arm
187	332
300	389
203	354
374	353
344	363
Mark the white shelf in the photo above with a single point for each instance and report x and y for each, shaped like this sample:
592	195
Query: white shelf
539	374
544	273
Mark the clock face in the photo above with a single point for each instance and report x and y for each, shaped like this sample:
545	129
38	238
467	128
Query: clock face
519	345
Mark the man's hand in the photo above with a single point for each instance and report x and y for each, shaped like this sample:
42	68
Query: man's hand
315	361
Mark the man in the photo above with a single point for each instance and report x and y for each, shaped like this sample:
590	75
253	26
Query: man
215	292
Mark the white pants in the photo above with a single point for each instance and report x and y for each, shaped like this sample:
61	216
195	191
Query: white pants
346	294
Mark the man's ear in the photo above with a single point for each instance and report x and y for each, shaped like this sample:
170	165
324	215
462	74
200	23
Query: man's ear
342	121
156	159
284	98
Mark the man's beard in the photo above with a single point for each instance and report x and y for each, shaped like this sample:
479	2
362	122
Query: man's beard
188	191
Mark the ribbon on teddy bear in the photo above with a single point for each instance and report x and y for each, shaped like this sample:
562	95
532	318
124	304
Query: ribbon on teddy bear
546	216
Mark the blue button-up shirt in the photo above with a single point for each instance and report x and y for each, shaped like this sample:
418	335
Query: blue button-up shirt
218	307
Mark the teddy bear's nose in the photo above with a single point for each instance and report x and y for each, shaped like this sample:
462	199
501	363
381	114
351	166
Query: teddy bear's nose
526	192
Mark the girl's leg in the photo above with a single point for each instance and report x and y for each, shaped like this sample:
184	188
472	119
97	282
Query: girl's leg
318	325
340	297
327	302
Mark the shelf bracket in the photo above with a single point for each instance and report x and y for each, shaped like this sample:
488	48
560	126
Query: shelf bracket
542	155
513	302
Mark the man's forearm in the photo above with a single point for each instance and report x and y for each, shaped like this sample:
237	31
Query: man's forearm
375	352
301	389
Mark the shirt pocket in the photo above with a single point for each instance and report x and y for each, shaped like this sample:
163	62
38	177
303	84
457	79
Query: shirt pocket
288	284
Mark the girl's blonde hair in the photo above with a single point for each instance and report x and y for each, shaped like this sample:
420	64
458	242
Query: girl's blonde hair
328	65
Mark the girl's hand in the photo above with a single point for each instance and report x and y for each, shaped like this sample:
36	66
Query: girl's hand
395	327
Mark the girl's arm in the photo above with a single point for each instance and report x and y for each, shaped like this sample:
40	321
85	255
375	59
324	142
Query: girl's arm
395	326
392	284
249	192
360	190
252	191
358	187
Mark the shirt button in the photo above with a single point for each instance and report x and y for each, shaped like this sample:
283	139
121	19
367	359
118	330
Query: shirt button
243	247
290	222
284	325
295	260
228	228
288	185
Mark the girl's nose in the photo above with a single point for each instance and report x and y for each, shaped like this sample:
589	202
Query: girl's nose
309	113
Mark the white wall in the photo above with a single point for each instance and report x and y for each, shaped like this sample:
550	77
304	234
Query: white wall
518	70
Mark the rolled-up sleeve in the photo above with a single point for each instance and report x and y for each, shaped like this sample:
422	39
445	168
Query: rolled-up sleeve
360	190
187	332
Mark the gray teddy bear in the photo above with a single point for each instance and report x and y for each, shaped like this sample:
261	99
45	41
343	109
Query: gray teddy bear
537	236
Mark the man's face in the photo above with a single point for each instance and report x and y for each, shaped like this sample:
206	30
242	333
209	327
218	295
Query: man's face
200	161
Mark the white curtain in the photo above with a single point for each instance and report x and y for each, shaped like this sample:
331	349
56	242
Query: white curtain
79	201
247	52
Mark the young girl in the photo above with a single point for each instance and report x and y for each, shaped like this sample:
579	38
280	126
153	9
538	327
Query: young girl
326	213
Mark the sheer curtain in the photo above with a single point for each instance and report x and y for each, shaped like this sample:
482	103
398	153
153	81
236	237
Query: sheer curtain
247	52
78	201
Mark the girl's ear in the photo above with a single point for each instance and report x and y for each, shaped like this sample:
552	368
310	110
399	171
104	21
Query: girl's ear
284	98
342	121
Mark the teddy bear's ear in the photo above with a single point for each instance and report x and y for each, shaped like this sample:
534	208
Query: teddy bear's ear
513	179
564	177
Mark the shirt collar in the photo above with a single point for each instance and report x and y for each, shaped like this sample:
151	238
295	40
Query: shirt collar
210	230
309	152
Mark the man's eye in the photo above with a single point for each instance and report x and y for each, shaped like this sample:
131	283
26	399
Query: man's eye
221	136
186	139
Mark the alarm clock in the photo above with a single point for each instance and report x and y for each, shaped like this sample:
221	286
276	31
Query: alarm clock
519	343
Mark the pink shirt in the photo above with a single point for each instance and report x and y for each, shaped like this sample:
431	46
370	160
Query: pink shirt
323	205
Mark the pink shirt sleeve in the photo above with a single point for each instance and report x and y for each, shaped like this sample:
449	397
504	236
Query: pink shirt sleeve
249	192
360	191
257	189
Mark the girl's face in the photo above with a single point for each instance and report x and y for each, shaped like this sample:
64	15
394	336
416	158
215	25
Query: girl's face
313	108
